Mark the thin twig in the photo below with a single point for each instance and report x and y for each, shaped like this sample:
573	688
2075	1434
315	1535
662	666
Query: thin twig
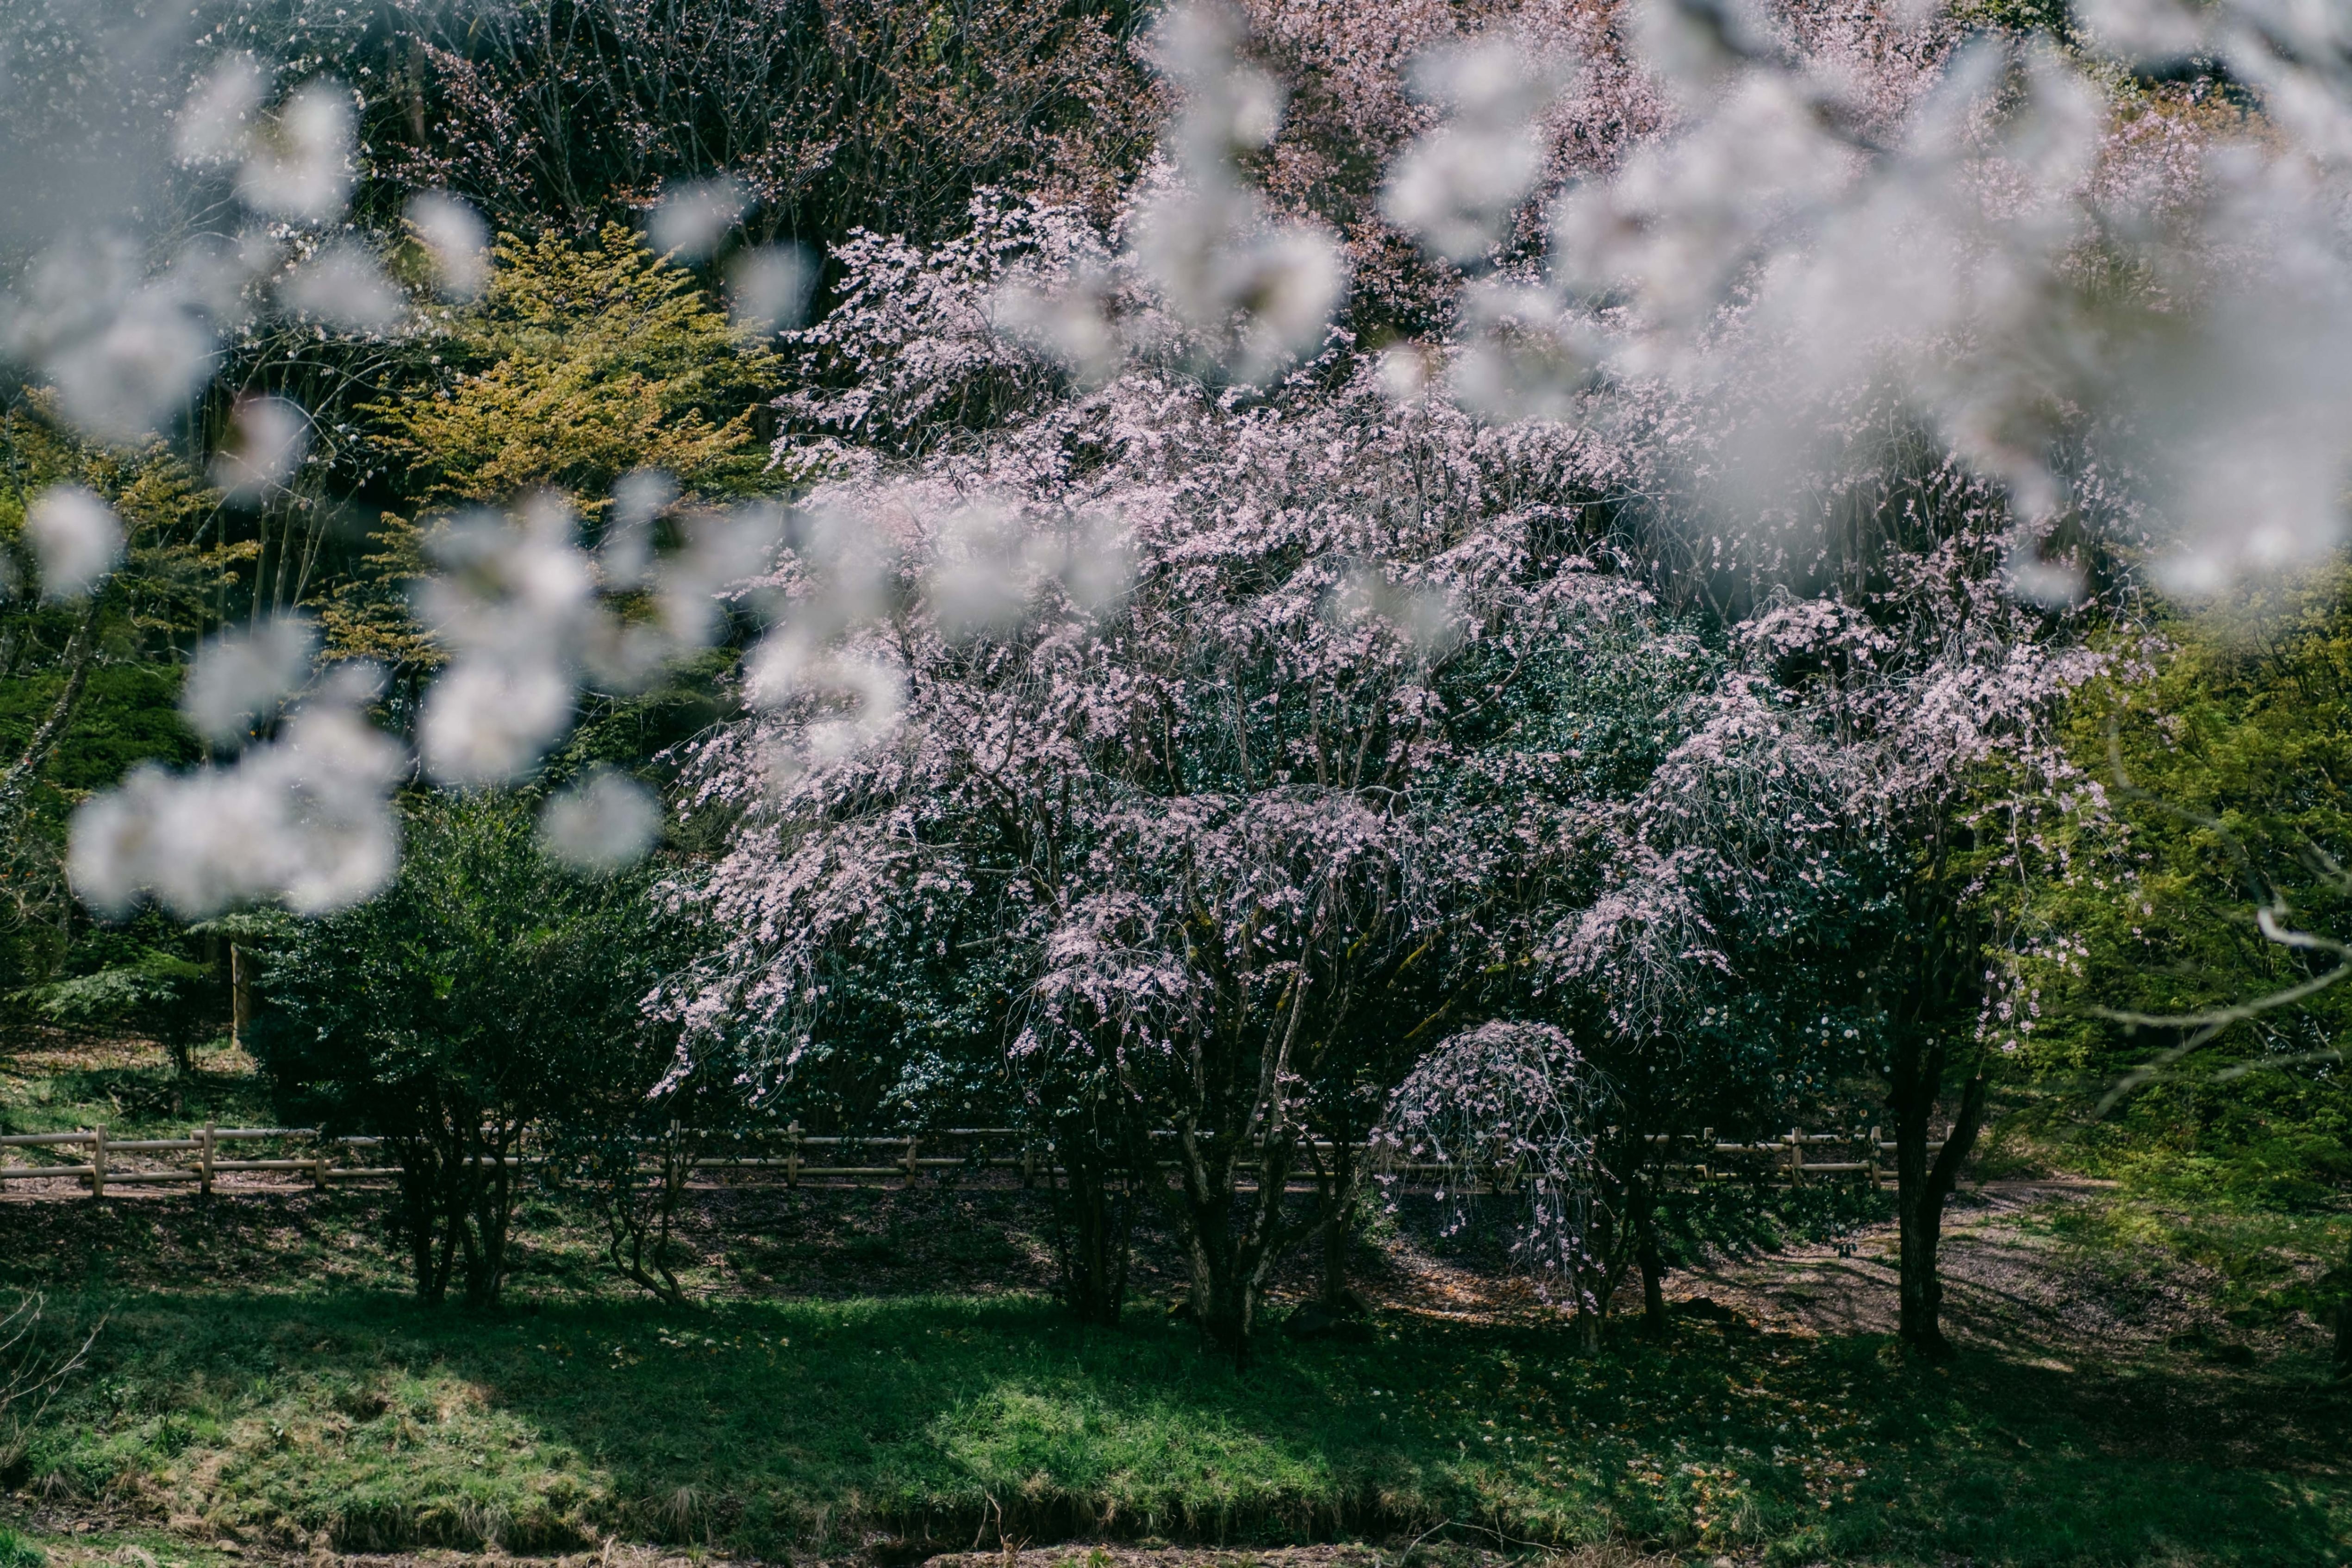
2270	919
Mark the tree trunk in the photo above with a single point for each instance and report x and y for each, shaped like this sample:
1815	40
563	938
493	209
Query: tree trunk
1093	1225
491	1190
637	1225
1921	1186
1336	1189
427	1219
1653	1275
80	654
240	994
1229	1262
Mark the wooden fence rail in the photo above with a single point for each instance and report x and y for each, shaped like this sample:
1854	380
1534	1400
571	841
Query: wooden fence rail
323	1160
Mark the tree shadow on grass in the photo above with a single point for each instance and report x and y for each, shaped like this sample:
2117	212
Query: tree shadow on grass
770	1425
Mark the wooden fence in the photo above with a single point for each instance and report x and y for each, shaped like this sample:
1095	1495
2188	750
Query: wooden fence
304	1157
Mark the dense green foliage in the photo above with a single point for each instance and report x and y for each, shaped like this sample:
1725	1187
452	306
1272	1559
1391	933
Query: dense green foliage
87	689
586	361
2232	797
486	996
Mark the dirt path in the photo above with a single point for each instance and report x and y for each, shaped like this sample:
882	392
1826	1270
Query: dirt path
2012	1283
2008	1282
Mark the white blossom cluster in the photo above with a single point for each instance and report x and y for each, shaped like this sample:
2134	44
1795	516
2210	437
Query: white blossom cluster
304	814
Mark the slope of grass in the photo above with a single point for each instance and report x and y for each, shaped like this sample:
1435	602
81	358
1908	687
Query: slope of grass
358	1419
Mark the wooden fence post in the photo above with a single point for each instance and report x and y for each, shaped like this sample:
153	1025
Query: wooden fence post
910	1162
98	1162
1796	1156
1028	1165
204	1161
1877	1179
793	1155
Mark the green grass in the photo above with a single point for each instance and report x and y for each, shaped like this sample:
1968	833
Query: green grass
54	1082
261	1377
766	1426
2265	1267
110	1546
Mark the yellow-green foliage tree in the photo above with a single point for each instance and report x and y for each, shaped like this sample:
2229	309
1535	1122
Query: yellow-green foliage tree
584	362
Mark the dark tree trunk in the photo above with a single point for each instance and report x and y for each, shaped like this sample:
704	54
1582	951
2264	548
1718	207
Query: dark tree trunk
1922	1185
488	1217
639	1222
80	654
1334	1260
457	1197
427	1218
240	994
1335	1189
1654	1274
1231	1239
1093	1203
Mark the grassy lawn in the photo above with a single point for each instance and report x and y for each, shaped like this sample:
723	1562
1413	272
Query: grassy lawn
870	1366
52	1081
764	1426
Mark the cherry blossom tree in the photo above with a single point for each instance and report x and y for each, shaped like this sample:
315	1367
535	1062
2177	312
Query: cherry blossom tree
1176	682
1515	1106
1824	857
1220	819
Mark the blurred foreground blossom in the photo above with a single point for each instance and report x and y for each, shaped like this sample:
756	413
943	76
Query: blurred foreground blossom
76	538
343	287
1260	289
989	561
860	694
306	818
513	604
266	442
214	127
1521	358
718	549
456	242
298	168
127	366
523	609
823	656
603	824
692	219
1070	320
767	289
978	580
1457	187
240	678
1424	616
626	555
